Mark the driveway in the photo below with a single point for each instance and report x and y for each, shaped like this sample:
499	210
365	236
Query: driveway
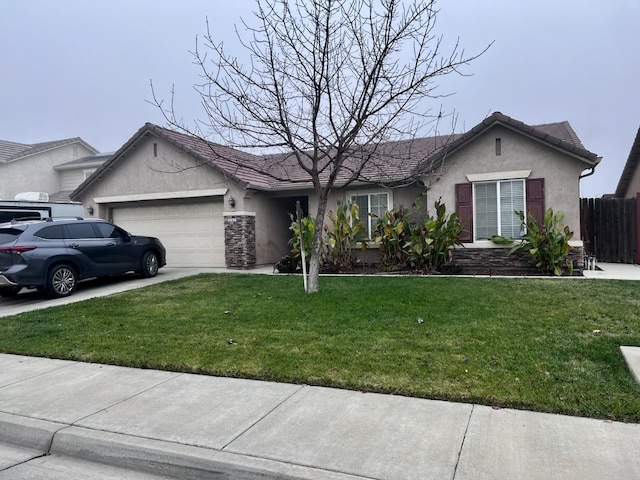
29	300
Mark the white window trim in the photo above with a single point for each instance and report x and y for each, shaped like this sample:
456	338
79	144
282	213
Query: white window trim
497	176
475	209
364	215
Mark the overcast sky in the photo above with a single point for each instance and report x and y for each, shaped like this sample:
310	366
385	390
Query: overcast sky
80	68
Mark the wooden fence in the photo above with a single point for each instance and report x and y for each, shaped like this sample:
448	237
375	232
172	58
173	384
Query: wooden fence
609	228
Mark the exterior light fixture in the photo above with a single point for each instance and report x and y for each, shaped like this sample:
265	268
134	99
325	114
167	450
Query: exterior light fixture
232	202
90	209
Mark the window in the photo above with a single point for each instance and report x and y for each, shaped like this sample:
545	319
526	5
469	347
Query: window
374	202
54	232
495	204
87	172
108	230
81	231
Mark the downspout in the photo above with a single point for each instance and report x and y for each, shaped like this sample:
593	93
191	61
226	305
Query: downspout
593	170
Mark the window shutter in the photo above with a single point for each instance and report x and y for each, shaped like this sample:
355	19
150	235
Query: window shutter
535	198
464	207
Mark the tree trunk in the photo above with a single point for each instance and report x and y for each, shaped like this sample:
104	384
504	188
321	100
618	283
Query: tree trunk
316	249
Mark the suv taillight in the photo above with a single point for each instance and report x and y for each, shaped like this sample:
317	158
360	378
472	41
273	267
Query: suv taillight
17	250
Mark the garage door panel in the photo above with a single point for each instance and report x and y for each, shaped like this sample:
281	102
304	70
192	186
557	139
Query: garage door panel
193	234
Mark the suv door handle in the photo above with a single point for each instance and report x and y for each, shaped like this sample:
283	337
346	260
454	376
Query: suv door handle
111	244
74	245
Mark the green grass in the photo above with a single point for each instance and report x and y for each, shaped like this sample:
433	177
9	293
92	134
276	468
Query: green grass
522	343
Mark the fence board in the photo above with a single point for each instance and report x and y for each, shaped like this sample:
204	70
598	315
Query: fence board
609	229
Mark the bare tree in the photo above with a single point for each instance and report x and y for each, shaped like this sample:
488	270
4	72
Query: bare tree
327	82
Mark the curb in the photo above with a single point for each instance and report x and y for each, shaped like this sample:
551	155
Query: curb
28	432
149	455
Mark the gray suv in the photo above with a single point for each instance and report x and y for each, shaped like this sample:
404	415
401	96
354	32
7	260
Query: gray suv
53	255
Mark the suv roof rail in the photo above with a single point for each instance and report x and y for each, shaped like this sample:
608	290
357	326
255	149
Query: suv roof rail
51	219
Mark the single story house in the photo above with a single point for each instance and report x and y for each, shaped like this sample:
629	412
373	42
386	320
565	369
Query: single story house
55	168
212	206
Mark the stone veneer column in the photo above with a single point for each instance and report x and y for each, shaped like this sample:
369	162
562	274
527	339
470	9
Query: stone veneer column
240	240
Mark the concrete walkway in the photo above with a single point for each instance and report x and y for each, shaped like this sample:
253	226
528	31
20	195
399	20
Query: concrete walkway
186	426
199	427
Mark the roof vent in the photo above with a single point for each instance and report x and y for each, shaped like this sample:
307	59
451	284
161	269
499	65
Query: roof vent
32	197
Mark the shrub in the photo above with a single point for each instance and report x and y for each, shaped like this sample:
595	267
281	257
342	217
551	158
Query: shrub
343	237
548	244
391	233
431	244
417	244
308	228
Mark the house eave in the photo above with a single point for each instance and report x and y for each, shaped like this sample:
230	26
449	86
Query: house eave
141	197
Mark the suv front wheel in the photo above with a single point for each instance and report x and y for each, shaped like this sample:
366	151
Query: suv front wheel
61	281
150	265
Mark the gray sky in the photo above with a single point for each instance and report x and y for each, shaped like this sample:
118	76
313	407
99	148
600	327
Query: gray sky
81	68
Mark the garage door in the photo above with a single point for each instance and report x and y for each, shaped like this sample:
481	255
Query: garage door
192	233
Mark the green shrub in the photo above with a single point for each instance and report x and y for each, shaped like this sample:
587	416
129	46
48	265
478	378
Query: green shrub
343	237
391	233
308	229
431	244
548	244
417	244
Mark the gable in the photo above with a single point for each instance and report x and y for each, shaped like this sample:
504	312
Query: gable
150	166
501	153
502	149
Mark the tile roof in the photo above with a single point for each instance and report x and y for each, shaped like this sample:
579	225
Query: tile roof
387	163
629	168
11	151
90	161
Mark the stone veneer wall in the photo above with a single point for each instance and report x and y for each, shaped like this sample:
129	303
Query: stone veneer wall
497	260
240	241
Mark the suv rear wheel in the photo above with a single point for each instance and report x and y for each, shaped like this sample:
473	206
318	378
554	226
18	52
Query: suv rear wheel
61	281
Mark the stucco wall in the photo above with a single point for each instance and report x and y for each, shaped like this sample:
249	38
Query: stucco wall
35	173
518	152
141	172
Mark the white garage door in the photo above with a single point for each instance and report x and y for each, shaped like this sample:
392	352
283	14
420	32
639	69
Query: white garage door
192	233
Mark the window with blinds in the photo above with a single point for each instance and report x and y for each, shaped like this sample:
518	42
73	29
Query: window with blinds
495	206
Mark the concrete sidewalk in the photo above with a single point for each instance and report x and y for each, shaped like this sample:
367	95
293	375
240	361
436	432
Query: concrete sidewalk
196	427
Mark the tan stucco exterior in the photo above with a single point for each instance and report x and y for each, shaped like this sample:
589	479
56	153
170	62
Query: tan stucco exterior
519	153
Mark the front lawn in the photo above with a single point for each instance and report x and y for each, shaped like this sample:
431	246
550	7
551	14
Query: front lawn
523	343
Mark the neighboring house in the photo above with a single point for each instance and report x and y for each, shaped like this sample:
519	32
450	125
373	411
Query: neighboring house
73	173
34	168
211	208
629	183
